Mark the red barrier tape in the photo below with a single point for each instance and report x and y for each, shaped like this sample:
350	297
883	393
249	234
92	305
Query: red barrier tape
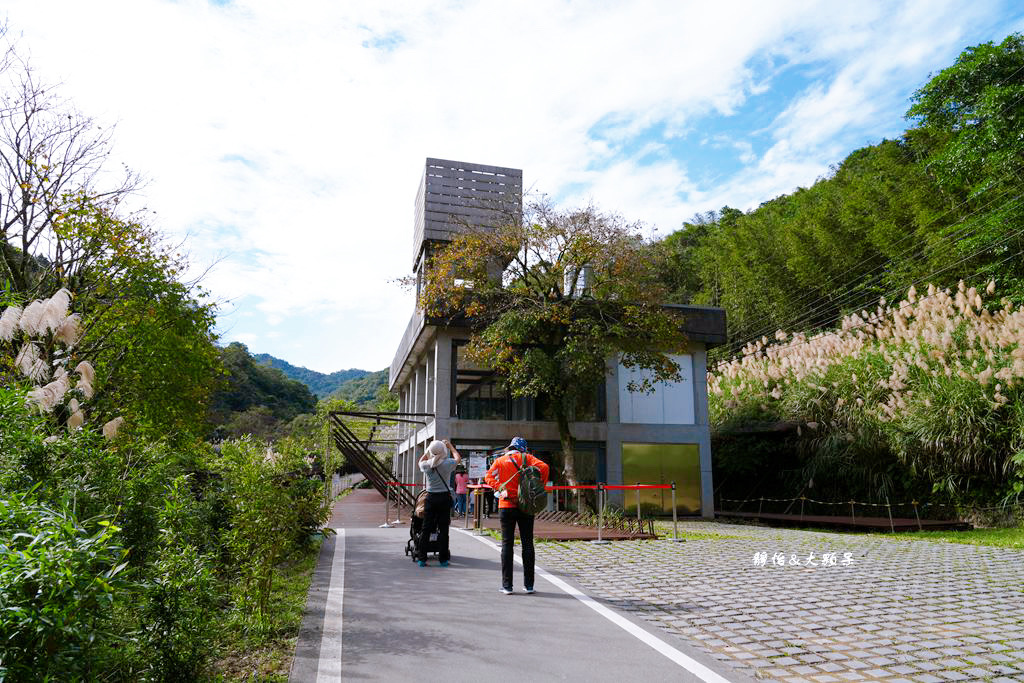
398	483
570	488
639	486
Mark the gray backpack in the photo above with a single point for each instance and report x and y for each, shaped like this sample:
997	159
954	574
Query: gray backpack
532	498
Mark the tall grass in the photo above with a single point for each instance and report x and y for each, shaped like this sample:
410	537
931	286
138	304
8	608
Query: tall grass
925	392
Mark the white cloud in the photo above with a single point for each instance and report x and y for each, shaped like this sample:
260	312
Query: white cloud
282	144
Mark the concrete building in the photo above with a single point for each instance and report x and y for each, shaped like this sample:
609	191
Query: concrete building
623	437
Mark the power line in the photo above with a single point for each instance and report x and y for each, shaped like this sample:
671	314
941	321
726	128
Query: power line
922	280
825	303
909	235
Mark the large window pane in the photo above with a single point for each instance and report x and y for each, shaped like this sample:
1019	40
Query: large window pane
658	463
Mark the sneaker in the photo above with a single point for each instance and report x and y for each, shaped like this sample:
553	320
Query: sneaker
529	590
445	563
506	591
422	563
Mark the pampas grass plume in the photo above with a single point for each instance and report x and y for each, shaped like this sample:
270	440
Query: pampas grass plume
86	371
76	420
110	429
31	318
69	330
85	386
31	365
9	322
55	310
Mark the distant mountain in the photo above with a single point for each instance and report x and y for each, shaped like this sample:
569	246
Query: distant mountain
363	390
320	384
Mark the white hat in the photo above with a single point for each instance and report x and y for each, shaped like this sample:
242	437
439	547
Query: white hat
438	452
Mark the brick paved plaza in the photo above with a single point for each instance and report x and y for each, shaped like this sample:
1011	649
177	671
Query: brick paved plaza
886	610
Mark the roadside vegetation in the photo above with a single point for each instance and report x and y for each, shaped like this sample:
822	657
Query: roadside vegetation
876	352
161	497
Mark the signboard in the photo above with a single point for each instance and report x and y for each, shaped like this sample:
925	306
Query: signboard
477	464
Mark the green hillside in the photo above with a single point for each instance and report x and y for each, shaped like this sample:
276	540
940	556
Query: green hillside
362	387
363	390
319	383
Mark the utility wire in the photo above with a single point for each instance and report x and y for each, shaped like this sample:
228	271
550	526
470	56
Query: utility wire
921	281
825	303
912	234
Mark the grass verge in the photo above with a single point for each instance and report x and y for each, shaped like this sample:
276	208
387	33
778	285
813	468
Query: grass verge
266	655
1003	538
664	530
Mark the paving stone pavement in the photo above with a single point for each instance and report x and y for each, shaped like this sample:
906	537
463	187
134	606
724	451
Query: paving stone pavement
876	609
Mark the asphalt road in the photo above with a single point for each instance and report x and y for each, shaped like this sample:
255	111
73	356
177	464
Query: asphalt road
373	614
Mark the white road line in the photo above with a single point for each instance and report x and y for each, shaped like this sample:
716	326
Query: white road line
329	666
692	665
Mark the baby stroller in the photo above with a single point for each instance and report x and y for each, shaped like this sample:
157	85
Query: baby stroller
416	527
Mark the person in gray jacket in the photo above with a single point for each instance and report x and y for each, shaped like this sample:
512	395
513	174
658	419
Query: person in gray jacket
437	464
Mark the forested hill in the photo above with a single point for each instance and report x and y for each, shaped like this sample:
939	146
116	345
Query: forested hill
939	204
364	390
320	384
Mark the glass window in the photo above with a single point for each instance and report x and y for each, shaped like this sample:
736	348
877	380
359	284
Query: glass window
479	394
662	463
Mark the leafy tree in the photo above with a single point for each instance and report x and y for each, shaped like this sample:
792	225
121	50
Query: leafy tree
551	298
976	104
971	124
53	159
149	335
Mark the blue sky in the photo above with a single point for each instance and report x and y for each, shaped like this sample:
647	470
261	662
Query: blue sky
285	142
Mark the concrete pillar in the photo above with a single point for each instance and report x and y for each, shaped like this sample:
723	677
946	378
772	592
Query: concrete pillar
443	388
428	384
703	420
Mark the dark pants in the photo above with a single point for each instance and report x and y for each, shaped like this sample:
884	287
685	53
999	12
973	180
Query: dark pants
437	515
510	517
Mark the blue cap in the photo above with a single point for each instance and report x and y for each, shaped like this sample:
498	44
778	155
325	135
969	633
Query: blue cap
518	444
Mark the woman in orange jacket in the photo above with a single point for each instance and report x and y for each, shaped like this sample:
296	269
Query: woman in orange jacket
503	477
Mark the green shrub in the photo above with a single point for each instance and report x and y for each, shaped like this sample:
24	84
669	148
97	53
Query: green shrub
59	580
176	602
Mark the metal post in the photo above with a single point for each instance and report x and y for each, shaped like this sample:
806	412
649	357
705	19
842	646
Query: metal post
802	508
675	517
638	502
892	529
600	513
398	501
465	513
853	515
917	516
578	511
478	522
387	504
328	470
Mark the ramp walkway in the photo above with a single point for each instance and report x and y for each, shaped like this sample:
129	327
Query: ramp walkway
374	614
